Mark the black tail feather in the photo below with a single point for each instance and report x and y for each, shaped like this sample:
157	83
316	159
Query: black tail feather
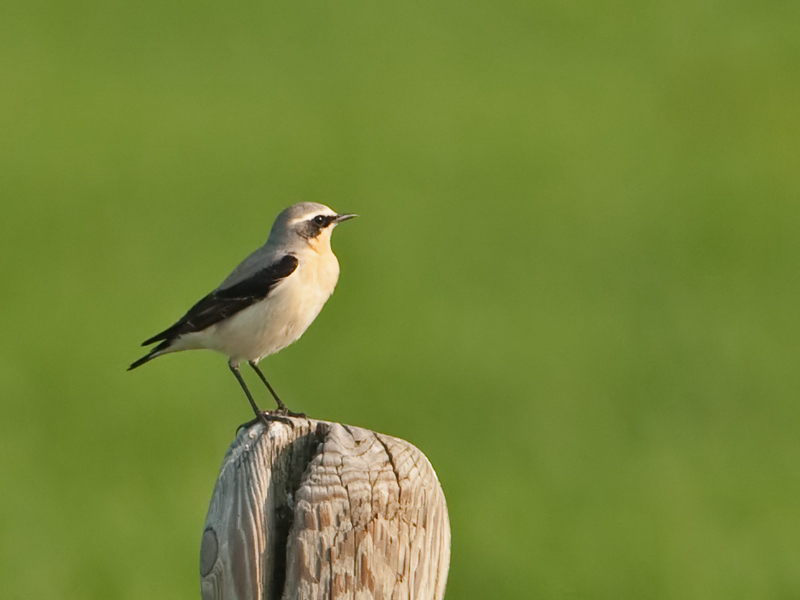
151	355
164	335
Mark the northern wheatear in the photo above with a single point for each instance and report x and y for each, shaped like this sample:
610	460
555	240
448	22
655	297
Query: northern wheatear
268	301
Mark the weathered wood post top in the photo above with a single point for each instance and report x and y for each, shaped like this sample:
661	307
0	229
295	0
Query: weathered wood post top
311	510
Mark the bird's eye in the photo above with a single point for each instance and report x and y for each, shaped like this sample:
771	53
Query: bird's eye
319	220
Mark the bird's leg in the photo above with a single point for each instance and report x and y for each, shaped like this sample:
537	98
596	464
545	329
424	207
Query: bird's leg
281	406
261	416
235	371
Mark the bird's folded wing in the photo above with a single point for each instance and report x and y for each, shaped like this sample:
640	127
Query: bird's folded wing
226	302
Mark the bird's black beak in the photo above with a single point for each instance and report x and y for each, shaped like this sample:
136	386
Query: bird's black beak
340	218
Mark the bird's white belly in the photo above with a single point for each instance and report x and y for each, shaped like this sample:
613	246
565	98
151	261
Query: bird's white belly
272	324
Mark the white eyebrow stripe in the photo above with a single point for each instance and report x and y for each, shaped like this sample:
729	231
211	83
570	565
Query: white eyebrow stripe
310	216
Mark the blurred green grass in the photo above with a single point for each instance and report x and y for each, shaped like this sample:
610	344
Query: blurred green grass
574	284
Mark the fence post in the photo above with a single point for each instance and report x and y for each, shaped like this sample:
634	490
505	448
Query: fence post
312	510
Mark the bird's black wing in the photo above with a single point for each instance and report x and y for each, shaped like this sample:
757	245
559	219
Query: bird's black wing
221	304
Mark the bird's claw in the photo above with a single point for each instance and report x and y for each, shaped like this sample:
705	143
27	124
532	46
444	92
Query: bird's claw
267	416
285	412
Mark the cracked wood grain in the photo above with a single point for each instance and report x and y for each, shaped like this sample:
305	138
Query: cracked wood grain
324	511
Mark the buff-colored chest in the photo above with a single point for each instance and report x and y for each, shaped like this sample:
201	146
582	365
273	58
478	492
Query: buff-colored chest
279	320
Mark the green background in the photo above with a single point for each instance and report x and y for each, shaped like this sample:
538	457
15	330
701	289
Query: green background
574	283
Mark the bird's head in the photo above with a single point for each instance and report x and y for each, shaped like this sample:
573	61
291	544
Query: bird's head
307	224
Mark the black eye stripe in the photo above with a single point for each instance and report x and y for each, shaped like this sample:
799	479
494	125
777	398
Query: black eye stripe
324	220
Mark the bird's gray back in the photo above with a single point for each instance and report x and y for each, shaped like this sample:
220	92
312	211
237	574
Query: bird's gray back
256	261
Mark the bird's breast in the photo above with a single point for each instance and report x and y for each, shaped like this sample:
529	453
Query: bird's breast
281	318
319	273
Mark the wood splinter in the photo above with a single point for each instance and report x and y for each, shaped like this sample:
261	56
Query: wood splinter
317	510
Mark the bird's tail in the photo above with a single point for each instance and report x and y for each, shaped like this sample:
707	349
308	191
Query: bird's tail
155	352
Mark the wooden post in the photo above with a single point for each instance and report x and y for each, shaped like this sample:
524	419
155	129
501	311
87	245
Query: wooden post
317	510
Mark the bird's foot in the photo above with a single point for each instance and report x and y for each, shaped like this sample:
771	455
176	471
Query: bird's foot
267	416
285	412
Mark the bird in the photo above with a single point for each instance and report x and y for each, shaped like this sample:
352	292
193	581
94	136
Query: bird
268	300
